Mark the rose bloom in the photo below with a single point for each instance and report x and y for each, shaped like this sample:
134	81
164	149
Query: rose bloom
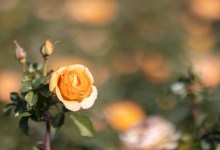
153	133
74	87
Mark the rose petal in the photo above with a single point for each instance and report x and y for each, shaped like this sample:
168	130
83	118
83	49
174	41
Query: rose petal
59	96
77	66
89	74
70	105
53	81
61	69
89	101
54	78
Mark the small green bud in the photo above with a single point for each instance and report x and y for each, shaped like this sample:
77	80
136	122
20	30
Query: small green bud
47	48
20	53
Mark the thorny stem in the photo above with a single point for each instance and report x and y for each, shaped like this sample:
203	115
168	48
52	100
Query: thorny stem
45	67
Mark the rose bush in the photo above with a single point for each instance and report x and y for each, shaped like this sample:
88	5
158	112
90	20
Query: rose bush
74	87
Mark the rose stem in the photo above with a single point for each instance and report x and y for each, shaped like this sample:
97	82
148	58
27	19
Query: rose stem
24	66
47	119
45	67
47	136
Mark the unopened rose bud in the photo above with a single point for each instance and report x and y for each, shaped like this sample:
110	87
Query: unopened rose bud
20	53
47	48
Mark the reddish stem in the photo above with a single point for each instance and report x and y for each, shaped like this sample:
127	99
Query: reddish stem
47	136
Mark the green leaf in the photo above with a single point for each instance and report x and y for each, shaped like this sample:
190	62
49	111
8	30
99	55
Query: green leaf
38	112
83	123
27	78
31	68
31	98
23	124
26	87
39	67
58	120
38	81
25	114
44	91
34	118
21	107
57	130
14	96
39	108
8	108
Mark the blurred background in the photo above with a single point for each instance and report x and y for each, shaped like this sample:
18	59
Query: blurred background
134	49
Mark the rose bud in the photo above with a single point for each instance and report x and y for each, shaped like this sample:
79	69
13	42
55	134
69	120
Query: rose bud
74	87
47	48
20	53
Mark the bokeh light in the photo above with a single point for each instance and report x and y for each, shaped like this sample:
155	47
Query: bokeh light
208	67
10	82
97	12
123	115
208	10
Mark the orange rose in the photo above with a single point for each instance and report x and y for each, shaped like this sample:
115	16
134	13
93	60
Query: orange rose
73	86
